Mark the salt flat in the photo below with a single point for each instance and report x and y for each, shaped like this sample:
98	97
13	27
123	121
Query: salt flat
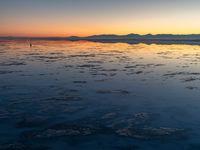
92	95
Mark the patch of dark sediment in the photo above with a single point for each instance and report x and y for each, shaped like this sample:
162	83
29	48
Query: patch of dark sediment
26	75
12	63
191	88
116	51
138	72
104	72
99	74
64	98
165	53
49	58
109	70
173	74
32	54
65	92
185	66
2	72
88	66
102	80
143	66
56	53
68	66
95	62
80	82
130	67
190	79
112	92
166	57
83	55
73	90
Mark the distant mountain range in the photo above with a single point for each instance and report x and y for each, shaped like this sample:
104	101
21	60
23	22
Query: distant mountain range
119	37
138	37
193	39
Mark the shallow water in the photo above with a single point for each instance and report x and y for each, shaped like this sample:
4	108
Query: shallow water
87	95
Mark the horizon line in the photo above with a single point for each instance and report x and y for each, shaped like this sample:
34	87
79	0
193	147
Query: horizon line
13	36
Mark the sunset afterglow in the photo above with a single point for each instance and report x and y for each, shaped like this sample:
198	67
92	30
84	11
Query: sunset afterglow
82	18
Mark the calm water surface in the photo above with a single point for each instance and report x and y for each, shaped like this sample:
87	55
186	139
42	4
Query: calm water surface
85	95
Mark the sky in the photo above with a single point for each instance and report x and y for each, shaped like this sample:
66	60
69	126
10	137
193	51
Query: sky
88	17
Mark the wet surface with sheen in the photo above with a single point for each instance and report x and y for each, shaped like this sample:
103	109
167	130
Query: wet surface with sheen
87	95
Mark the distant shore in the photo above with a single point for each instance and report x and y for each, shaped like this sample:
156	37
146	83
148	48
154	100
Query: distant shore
192	39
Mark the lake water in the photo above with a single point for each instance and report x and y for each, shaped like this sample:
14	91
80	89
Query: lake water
102	96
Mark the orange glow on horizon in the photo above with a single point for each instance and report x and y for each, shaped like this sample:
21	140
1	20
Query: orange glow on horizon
37	28
63	18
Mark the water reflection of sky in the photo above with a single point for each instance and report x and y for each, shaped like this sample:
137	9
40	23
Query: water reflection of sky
83	94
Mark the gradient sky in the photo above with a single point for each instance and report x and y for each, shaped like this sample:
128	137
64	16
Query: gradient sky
87	17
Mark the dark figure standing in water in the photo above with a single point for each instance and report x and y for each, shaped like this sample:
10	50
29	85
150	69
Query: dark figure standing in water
30	44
